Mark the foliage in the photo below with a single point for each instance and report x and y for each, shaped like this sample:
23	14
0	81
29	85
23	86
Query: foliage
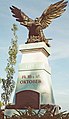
8	84
1	104
47	114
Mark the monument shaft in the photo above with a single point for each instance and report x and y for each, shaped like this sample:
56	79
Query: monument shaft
35	75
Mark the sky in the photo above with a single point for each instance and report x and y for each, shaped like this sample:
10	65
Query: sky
58	31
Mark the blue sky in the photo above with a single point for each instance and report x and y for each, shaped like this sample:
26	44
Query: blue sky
58	31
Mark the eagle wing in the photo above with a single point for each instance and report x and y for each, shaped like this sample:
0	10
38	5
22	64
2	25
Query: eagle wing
21	16
53	11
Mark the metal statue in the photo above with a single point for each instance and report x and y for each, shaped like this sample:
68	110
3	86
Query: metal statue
36	26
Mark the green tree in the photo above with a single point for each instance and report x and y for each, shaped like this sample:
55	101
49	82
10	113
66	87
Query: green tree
1	104
8	84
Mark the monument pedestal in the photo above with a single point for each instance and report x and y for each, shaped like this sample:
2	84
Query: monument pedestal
34	88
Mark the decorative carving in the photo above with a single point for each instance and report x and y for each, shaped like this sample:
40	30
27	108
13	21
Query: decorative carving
36	26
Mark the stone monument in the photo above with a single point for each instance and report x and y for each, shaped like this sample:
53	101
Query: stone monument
34	87
34	79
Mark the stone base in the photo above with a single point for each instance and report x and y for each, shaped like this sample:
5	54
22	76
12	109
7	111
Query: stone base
35	73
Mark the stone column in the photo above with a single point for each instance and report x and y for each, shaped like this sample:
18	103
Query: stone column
34	72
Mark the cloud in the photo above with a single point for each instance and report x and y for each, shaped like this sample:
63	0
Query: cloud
62	98
3	48
61	92
60	50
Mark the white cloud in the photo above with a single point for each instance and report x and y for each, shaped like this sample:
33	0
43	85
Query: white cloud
64	92
60	50
3	48
62	98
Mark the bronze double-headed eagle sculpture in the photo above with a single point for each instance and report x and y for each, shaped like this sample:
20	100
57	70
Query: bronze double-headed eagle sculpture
36	26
